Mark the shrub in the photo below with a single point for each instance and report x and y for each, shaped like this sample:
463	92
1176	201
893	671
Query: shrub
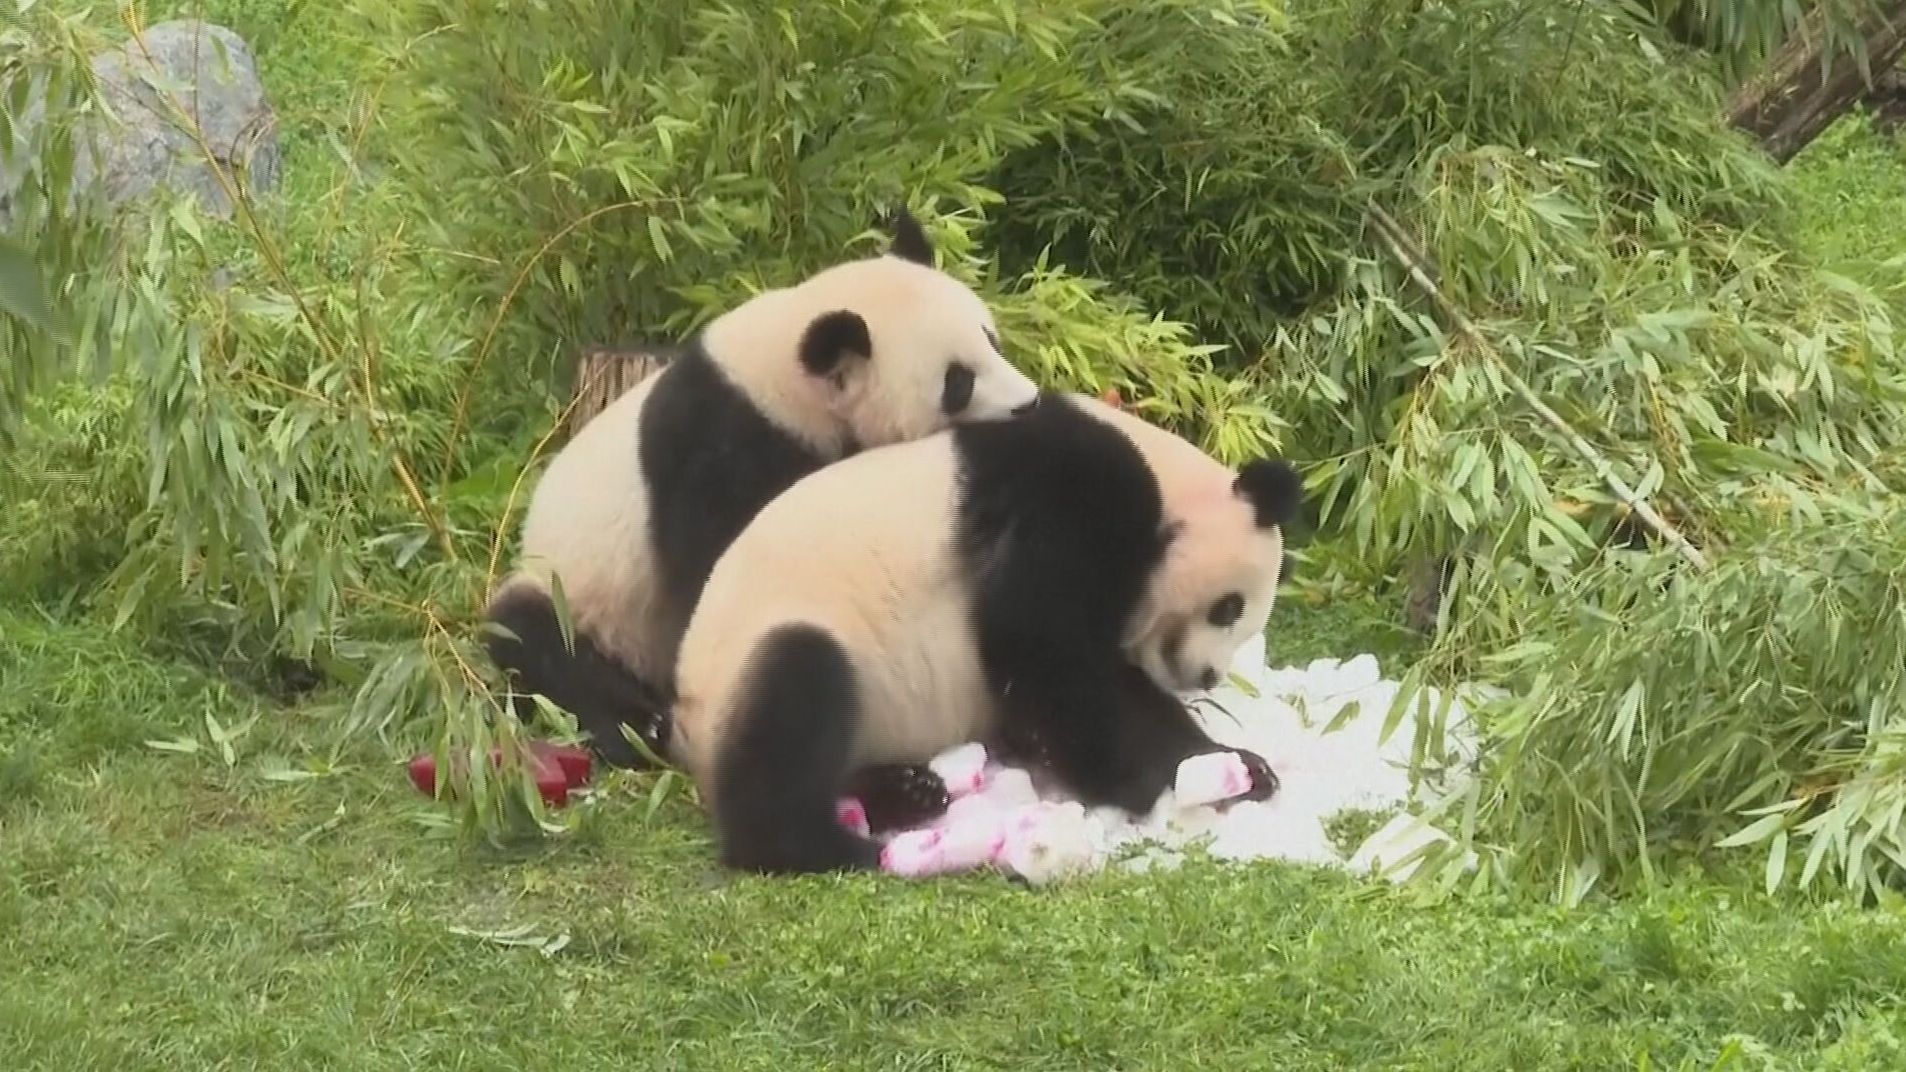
61	261
71	487
1660	706
672	159
1234	202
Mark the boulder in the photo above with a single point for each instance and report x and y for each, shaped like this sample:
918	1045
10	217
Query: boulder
211	73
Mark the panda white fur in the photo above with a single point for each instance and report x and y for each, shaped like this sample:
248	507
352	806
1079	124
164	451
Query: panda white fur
1050	581
633	512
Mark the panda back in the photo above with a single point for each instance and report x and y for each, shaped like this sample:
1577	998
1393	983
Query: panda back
1186	475
1060	525
710	460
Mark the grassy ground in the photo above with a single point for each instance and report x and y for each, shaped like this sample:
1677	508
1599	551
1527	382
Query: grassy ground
161	909
1852	181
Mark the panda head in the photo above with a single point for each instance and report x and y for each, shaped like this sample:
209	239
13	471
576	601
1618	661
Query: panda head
901	349
1214	587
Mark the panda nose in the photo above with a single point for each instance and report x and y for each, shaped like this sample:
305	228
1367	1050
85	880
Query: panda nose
1209	679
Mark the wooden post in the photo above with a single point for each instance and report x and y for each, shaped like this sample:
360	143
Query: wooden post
604	373
1791	100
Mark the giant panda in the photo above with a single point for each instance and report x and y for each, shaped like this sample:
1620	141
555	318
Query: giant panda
634	510
1060	578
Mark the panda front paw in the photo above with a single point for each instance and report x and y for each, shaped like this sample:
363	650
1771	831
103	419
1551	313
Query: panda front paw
1264	780
900	796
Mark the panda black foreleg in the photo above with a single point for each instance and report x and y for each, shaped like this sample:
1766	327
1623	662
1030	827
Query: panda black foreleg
1068	710
1117	741
1157	727
785	759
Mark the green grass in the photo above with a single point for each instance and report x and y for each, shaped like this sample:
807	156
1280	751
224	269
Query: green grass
163	910
1310	624
1851	184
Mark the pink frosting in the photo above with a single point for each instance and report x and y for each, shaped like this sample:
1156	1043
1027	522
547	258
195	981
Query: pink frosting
1212	777
852	815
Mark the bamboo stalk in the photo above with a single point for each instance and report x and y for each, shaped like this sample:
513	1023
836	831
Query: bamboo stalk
1412	262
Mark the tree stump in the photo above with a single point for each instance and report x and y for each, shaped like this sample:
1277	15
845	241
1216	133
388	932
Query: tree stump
604	373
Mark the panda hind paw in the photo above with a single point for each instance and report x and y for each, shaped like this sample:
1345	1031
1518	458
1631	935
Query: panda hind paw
900	796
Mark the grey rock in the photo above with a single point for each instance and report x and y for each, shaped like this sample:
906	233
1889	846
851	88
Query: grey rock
211	74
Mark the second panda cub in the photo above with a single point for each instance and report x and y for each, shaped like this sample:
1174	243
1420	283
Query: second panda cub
636	508
1053	580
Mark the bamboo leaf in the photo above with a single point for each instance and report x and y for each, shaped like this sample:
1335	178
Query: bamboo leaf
1776	861
1759	830
22	294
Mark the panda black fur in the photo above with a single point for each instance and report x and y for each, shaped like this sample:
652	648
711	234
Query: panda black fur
633	512
1053	580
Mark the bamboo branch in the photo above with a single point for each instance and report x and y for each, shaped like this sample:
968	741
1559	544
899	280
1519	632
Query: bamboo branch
1412	262
275	262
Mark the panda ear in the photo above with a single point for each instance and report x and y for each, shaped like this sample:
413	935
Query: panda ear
1273	488
831	339
909	239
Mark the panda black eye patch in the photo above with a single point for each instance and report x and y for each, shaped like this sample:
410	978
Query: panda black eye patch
958	389
1226	611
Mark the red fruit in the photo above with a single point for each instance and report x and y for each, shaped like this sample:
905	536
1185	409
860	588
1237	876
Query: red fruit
551	782
574	761
1111	397
423	774
552	779
556	771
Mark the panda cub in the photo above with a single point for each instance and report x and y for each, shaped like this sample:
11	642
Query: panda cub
634	510
1054	579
